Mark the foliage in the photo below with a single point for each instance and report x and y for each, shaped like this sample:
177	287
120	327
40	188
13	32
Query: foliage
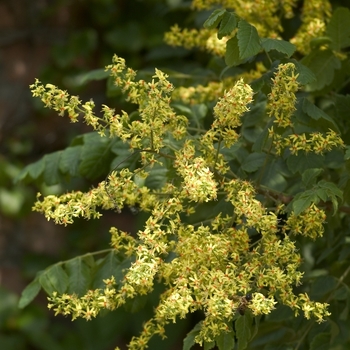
244	180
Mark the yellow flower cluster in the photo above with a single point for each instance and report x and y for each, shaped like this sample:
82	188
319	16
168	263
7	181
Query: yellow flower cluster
210	265
188	38
308	223
282	99
281	106
228	112
264	15
315	14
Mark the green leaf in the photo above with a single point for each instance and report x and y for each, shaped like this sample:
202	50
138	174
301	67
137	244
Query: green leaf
244	330
331	188
227	25
79	274
54	279
306	76
322	286
110	265
316	43
314	112
342	106
209	345
321	341
321	193
253	162
124	158
189	340
83	78
225	341
70	160
303	200
51	171
338	28
157	177
322	63
303	161
309	176
31	172
214	19
273	175
29	293
96	156
248	40
232	56
282	46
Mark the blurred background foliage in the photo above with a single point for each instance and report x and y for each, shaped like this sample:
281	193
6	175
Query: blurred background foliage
67	42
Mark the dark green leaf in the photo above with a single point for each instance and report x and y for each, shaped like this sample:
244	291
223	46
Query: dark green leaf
304	161
303	201
309	176
227	25
314	112
244	330
334	159
338	28
331	188
321	342
124	158
83	78
110	265
253	162
157	177
316	43
225	341
232	56
306	76
70	160
214	19
322	63
29	293
209	345
54	279
273	175
79	274
32	171
189	340
321	193
51	171
282	46
342	106
136	304
96	156
248	40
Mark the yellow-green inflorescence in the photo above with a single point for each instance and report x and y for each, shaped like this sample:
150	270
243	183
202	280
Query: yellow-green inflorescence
207	266
281	107
265	15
